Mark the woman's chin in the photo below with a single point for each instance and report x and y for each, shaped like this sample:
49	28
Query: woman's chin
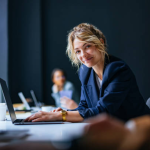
88	65
61	84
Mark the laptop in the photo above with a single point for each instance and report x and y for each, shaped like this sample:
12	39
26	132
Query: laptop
12	114
34	98
28	108
20	94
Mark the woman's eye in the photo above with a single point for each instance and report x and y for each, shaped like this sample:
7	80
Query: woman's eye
77	52
88	46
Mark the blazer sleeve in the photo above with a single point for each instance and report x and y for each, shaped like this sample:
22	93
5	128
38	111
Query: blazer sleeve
118	80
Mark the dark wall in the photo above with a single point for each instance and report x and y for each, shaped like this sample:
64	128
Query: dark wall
3	43
130	27
25	67
3	39
124	23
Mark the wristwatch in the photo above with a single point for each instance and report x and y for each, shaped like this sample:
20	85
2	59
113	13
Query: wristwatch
64	113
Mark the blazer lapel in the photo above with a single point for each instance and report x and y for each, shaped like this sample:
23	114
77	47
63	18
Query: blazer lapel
92	89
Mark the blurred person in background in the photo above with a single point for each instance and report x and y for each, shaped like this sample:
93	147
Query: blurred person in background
63	91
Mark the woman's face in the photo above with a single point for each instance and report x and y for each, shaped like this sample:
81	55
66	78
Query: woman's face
87	53
59	78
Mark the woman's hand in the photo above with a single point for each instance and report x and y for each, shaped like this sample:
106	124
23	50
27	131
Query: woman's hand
57	88
44	116
57	109
68	103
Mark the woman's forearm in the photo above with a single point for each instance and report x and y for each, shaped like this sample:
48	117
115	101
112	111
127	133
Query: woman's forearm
71	116
74	116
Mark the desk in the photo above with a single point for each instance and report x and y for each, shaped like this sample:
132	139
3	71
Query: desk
48	132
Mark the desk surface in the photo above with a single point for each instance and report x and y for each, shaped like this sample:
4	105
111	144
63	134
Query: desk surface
48	132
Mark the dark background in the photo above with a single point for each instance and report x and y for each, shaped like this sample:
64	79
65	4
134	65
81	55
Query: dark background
3	40
38	31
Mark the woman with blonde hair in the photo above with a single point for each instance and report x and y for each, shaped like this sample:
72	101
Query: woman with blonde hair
108	84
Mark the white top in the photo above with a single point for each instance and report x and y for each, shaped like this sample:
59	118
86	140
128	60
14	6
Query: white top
99	81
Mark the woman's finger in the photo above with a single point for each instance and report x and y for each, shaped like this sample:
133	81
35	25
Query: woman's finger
38	120
36	115
44	117
27	119
58	109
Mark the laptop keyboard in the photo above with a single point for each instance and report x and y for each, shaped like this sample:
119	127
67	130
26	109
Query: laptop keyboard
19	120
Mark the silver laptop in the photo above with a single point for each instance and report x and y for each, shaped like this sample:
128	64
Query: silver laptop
28	108
34	98
20	94
12	114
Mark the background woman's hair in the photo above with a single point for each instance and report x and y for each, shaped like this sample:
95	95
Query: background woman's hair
58	69
87	33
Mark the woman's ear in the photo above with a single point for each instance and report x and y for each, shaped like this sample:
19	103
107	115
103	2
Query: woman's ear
102	40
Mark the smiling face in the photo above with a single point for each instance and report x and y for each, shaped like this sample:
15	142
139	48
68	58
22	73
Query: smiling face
87	53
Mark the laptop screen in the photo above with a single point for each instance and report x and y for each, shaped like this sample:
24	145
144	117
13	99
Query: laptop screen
34	98
24	101
6	96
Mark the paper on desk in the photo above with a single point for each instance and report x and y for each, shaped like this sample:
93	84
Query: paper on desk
66	93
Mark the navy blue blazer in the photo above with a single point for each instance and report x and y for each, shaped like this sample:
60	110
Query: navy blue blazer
119	94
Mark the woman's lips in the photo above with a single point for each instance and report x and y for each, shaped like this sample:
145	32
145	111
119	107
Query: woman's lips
86	60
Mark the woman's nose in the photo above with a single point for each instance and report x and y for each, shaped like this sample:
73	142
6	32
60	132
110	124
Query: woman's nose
83	54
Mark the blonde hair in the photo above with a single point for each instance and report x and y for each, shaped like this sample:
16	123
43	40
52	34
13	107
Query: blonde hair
87	33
